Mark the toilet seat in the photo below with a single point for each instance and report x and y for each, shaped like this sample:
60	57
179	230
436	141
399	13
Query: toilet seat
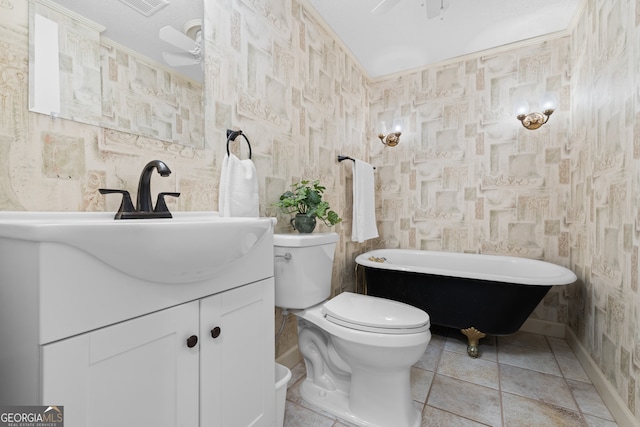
373	314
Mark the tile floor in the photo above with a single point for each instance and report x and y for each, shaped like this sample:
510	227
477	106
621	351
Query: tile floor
519	380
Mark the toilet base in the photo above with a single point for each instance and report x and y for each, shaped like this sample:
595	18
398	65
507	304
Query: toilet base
336	402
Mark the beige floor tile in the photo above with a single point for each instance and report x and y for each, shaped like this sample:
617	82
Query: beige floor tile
599	422
477	403
299	416
589	401
528	358
526	339
294	396
546	388
437	340
434	417
420	384
429	360
540	383
463	367
560	346
456	343
297	372
571	368
520	411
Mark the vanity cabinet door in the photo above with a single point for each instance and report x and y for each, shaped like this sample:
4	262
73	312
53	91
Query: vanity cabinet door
237	357
140	372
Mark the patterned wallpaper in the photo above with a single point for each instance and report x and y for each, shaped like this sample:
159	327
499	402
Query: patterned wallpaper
466	177
603	213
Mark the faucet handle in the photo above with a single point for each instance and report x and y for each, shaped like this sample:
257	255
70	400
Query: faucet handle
161	205
125	206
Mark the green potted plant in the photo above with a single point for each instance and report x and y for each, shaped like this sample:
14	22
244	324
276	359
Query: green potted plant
305	200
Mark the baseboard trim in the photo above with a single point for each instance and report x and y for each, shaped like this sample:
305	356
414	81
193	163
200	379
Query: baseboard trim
618	408
544	327
290	358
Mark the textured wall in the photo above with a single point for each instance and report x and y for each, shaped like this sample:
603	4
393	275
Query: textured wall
603	213
275	72
466	176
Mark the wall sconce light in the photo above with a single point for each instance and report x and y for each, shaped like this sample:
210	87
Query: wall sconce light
532	121
391	139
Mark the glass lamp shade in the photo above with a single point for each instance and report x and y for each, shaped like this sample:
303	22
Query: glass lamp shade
548	101
521	107
397	124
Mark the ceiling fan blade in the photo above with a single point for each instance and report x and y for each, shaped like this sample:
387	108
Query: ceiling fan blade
179	59
176	38
384	6
436	7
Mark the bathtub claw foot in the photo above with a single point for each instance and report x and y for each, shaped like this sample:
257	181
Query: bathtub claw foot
474	336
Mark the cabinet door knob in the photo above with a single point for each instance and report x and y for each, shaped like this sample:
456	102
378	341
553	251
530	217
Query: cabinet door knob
215	332
192	341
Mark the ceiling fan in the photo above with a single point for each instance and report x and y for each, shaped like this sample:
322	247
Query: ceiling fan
189	42
434	7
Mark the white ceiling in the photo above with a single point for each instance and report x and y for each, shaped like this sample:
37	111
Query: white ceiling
402	38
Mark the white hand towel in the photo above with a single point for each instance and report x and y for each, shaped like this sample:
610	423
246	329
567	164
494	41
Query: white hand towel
238	193
364	206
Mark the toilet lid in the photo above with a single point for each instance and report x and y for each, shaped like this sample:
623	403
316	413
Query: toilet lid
372	314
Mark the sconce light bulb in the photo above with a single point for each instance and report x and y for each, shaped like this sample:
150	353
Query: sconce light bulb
548	101
397	125
521	107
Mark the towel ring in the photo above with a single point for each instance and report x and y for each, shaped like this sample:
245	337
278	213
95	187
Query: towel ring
232	135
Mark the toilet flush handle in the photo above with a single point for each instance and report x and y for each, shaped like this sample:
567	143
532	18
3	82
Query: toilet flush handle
287	256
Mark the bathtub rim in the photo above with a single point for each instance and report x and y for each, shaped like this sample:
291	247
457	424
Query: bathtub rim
562	275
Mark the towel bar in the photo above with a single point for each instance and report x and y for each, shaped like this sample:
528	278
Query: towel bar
341	158
232	135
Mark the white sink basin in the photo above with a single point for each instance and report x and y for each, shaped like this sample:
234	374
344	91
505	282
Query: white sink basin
190	247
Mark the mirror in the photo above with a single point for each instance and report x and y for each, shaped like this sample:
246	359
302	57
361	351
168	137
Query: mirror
129	65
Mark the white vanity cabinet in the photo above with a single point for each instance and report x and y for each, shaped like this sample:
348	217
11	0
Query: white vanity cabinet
136	373
138	323
237	376
201	363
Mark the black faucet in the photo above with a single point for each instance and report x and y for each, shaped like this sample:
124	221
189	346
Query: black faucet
144	206
144	203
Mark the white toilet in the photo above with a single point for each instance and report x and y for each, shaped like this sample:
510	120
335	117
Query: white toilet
358	349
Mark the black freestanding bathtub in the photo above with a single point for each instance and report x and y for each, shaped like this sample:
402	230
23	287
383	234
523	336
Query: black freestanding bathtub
478	294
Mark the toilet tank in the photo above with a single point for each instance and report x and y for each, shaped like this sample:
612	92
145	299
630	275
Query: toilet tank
303	265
